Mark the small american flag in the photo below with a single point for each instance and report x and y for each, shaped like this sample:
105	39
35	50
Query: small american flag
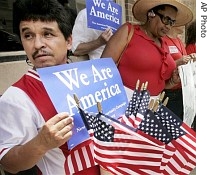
125	148
152	126
175	162
129	118
183	135
133	101
143	105
81	157
120	150
138	109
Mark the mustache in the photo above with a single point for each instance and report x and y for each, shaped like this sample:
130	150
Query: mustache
41	52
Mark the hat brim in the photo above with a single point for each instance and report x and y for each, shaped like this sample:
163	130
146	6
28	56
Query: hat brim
141	7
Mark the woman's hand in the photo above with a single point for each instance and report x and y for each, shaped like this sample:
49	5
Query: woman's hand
193	56
175	78
185	59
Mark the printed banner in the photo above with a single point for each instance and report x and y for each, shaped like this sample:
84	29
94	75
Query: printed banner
102	14
92	81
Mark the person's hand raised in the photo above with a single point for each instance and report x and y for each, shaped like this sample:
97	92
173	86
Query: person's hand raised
106	35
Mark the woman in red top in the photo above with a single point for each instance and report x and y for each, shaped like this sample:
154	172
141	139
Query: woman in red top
178	52
146	57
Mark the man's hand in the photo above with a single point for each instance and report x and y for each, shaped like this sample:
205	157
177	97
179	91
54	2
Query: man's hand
106	35
56	131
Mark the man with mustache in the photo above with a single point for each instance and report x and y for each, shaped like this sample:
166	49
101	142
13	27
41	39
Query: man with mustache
32	133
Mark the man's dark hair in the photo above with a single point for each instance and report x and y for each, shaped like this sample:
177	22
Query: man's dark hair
43	10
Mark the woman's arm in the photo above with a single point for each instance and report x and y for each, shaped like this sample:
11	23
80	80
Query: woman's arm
116	44
185	59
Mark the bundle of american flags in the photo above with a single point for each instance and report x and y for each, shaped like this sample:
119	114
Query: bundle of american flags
148	139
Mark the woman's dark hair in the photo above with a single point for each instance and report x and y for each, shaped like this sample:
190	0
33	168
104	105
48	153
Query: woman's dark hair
191	33
162	7
43	10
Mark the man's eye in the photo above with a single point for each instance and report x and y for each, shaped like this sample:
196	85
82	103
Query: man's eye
47	34
27	36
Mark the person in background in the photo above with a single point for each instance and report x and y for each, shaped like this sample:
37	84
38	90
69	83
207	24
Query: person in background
73	13
32	133
146	57
191	49
191	38
87	42
179	54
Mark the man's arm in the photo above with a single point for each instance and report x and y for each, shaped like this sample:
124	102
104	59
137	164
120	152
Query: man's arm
85	48
53	134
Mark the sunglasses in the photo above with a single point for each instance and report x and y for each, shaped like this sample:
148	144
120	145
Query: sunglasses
166	19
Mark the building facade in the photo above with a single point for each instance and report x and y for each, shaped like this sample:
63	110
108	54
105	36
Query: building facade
6	10
12	64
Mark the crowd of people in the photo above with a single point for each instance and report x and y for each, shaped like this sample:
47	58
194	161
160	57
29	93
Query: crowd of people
33	136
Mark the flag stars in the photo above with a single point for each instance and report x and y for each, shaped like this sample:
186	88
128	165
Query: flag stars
152	125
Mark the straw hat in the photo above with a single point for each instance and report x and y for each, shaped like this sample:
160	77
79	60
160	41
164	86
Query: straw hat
141	7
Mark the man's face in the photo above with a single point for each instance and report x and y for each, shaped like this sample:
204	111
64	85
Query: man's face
44	43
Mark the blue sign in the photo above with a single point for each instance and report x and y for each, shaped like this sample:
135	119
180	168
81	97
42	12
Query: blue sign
103	14
92	81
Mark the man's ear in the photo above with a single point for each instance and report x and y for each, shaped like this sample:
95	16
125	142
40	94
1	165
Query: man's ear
151	14
69	42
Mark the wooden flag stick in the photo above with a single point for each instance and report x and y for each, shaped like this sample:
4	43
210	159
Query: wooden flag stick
76	100
158	98
151	104
99	107
146	85
166	101
155	107
162	96
137	84
142	86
